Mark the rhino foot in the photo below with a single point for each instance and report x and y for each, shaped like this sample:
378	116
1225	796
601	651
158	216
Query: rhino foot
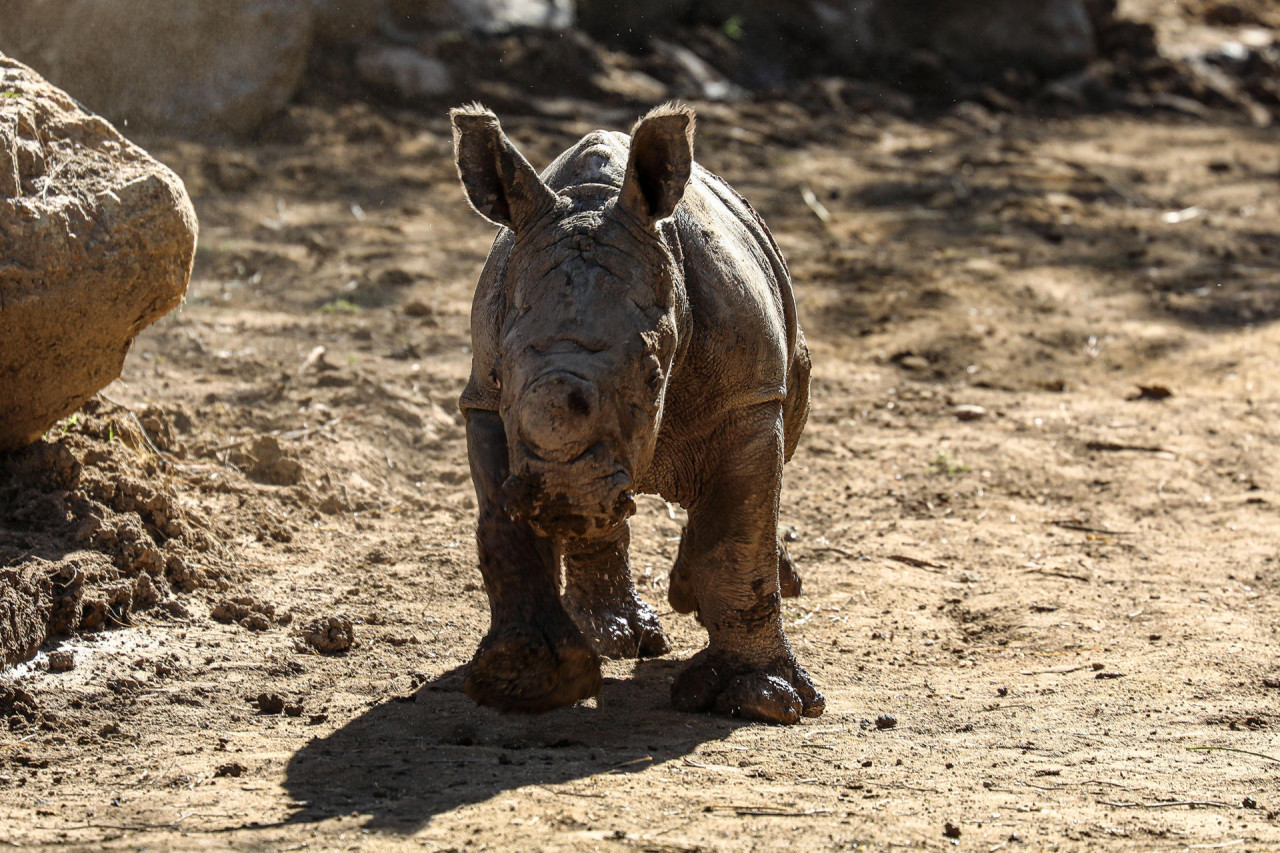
778	692
521	668
626	629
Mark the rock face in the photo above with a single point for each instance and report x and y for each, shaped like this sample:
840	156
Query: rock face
96	243
185	66
780	41
981	36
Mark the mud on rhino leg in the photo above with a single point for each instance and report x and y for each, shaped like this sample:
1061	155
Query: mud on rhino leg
601	597
732	558
533	658
680	592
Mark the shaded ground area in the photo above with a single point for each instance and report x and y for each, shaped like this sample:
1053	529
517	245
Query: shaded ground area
1035	508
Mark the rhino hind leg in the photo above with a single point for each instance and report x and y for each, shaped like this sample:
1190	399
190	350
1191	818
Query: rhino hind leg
601	598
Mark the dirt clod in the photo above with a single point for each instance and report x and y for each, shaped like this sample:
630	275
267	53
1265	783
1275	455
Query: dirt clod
329	634
61	661
886	721
232	768
248	612
950	830
270	703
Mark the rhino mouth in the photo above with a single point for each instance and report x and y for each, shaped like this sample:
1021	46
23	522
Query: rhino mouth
592	508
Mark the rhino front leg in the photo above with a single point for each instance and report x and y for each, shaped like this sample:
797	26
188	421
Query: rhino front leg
534	658
680	592
730	553
600	595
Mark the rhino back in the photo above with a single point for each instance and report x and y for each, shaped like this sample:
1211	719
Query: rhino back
739	291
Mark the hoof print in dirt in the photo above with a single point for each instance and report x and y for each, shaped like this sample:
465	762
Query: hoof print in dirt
611	357
329	635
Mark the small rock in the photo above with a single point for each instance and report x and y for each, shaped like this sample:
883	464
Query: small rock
886	721
950	830
403	71
61	661
913	362
329	634
270	703
968	412
1249	803
1002	691
231	768
1272	682
293	710
418	308
1103	675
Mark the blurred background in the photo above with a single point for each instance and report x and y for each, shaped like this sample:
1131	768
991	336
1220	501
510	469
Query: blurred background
227	69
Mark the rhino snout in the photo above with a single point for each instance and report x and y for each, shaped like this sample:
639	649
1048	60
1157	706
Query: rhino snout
595	506
558	415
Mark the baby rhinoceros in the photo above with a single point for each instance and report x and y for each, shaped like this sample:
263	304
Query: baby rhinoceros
633	330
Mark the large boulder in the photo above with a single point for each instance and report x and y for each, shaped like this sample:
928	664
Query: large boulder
186	66
96	242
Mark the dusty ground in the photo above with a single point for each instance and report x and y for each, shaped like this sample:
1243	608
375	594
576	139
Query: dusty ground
1066	599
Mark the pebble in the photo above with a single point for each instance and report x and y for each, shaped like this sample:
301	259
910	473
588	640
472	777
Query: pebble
969	412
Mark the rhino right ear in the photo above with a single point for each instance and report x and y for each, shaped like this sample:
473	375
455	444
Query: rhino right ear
499	182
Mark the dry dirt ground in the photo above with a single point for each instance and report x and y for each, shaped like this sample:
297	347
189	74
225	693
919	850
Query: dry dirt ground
1065	599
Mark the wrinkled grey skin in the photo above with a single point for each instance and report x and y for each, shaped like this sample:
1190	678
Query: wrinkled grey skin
634	330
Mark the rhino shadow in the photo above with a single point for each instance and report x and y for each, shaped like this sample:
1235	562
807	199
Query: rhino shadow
410	758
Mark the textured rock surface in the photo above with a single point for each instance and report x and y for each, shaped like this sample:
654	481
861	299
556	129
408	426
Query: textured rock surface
96	242
167	65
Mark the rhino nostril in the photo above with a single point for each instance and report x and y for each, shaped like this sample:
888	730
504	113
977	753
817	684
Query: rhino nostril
577	403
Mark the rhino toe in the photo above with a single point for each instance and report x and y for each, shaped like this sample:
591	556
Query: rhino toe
779	692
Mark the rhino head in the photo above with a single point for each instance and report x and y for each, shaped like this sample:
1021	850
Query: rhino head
592	303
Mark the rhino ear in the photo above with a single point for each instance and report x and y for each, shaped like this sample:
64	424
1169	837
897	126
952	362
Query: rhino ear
660	163
499	182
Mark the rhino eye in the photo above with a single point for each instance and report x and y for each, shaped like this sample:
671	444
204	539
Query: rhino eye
655	380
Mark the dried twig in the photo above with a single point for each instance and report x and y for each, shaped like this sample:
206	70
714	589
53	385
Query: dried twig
1053	574
811	202
1067	524
1233	749
917	562
1116	446
1169	805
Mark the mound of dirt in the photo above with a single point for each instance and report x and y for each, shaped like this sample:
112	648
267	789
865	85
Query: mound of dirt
91	531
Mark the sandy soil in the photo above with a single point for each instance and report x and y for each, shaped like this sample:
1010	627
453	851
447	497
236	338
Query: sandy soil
1035	508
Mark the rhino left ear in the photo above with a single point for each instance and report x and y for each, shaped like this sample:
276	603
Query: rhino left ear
660	163
500	183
